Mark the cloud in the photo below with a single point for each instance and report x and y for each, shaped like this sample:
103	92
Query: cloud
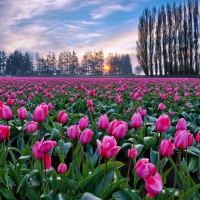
106	10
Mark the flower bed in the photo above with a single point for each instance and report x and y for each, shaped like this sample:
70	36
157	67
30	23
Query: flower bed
80	138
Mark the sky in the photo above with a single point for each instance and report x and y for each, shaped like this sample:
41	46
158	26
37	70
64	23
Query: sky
66	25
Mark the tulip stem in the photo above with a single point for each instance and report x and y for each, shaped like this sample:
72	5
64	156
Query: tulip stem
186	158
47	185
143	191
184	185
134	132
82	155
41	162
62	142
129	166
160	138
104	179
40	131
175	176
73	160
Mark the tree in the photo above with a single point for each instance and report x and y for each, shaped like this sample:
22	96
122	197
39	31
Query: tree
141	44
126	66
3	60
138	70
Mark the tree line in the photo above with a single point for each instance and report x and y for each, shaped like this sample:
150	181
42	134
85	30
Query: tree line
168	39
67	63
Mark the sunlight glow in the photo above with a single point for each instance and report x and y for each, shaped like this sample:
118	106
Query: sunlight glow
106	68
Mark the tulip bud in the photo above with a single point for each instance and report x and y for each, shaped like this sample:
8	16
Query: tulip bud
120	130
22	113
198	137
40	113
132	153
89	102
6	113
162	123
181	139
166	148
86	136
83	123
136	121
103	122
62	168
181	125
161	106
4	132
31	127
62	117
73	132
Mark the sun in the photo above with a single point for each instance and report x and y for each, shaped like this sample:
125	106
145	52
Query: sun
106	68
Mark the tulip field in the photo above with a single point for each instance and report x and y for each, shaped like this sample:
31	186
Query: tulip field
105	138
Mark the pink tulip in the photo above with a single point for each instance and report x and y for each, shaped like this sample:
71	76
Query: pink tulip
154	184
139	99
46	146
62	117
4	132
108	148
73	132
36	153
21	102
128	111
45	107
91	109
162	123
86	136
47	161
136	121
112	126
71	100
103	122
166	148
132	153
90	102
40	113
145	169
181	140
83	123
161	106
120	130
198	137
181	125
62	168
31	127
22	113
6	113
190	139
171	113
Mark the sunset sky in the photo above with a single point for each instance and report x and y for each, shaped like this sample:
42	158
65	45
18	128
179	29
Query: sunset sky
63	25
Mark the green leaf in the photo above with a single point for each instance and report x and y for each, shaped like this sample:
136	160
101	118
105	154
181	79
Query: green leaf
54	133
47	127
179	176
30	194
154	157
164	176
67	147
7	193
191	191
61	196
89	196
186	116
192	164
